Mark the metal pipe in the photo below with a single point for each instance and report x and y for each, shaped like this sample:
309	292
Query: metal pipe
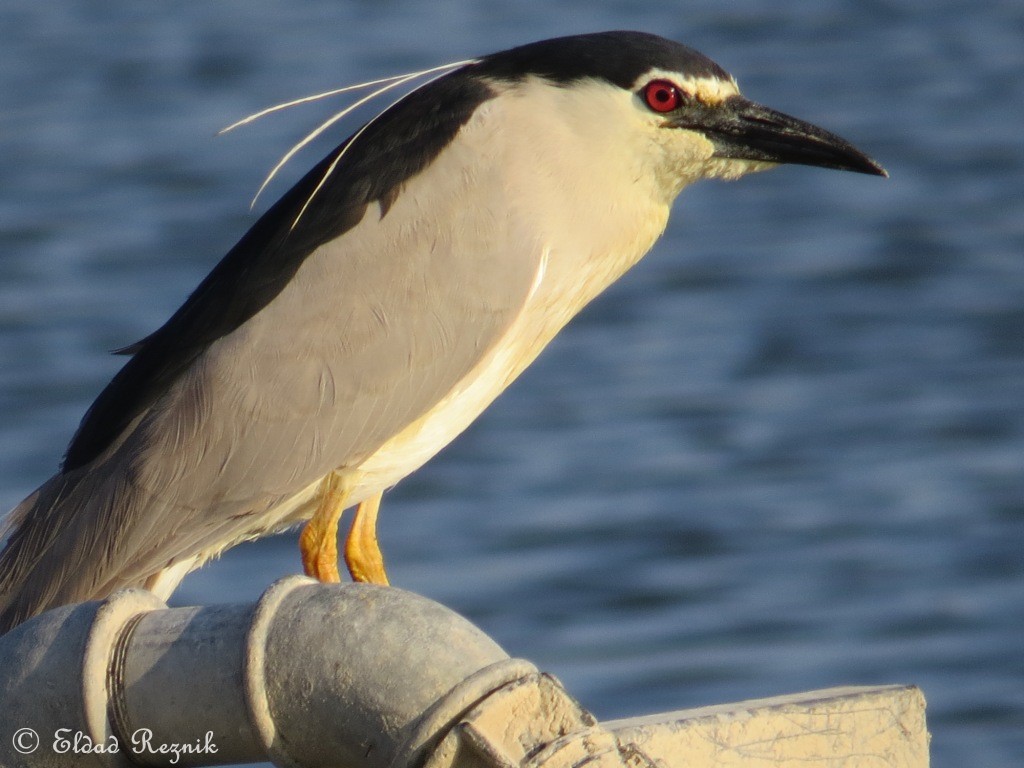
360	676
311	675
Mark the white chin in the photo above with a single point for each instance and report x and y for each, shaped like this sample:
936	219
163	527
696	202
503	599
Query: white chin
729	168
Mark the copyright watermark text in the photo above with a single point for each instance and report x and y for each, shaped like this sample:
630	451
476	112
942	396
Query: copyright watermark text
67	741
25	741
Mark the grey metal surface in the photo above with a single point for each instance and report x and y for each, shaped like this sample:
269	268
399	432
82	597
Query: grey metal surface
360	676
311	675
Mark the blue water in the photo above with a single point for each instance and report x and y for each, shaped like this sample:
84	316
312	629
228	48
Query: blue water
784	453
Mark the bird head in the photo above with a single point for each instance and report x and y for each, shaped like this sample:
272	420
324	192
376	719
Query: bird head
626	88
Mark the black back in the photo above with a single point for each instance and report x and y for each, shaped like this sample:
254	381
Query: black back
398	145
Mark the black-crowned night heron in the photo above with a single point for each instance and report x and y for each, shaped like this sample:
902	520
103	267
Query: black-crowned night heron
377	308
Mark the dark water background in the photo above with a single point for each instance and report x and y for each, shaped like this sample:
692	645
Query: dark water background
784	453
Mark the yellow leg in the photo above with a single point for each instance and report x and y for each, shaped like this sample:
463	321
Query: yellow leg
318	542
362	553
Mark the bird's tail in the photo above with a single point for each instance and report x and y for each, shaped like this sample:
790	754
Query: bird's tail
57	552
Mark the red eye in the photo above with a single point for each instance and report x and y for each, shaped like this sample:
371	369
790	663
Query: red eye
662	95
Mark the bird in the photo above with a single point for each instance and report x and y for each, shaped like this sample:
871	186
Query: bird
381	304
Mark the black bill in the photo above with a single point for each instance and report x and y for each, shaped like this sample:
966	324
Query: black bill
744	130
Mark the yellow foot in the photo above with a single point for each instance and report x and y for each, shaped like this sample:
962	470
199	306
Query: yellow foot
318	542
362	552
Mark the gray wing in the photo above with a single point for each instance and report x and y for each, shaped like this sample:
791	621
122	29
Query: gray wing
371	331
